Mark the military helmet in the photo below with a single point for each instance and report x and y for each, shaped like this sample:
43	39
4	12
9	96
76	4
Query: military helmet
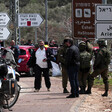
82	46
82	43
101	42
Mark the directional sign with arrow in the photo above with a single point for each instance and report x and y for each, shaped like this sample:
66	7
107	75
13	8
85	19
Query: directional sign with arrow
4	19
4	33
29	20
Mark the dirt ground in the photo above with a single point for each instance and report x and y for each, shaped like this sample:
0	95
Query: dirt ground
56	101
96	103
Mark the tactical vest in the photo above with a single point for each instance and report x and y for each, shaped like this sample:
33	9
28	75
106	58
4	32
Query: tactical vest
85	59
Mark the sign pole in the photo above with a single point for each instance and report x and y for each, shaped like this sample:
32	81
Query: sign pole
35	35
46	25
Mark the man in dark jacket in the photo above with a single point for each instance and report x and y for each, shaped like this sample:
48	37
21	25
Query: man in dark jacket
40	61
72	64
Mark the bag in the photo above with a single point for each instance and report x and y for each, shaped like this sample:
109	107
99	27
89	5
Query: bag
85	59
55	69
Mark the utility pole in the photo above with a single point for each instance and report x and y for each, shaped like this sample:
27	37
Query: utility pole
16	22
46	18
12	18
14	10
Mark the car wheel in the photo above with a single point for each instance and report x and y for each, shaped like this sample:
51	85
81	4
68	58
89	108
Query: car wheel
30	73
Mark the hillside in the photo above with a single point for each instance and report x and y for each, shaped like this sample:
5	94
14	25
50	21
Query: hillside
59	17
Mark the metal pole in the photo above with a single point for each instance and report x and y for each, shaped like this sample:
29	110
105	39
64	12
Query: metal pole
35	35
46	25
17	36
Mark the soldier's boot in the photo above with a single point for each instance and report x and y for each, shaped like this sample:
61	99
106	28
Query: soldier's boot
65	90
82	90
88	91
105	94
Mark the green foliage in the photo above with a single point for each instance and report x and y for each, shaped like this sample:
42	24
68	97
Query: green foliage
3	8
100	82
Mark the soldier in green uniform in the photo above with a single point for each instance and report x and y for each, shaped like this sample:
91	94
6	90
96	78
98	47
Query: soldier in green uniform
61	59
101	63
89	46
84	70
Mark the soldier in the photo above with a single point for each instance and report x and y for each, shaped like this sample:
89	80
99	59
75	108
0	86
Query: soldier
89	46
100	67
84	71
61	59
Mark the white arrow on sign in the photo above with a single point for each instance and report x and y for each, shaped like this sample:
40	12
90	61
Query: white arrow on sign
4	19
4	33
29	20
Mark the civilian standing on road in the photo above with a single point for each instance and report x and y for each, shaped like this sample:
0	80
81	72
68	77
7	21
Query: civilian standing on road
40	61
15	49
101	63
61	59
72	65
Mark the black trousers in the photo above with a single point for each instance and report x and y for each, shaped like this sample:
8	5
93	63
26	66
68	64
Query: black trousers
73	78
38	74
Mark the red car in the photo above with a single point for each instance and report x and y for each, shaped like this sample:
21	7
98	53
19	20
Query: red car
25	53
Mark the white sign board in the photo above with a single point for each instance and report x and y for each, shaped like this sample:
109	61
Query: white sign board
29	20
4	19
103	30
103	12
4	33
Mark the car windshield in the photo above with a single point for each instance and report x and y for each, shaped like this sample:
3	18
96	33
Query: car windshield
22	52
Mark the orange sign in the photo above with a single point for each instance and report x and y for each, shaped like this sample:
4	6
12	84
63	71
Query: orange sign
84	18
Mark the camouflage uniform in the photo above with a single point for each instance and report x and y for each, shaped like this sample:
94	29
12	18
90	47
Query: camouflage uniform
61	59
89	47
100	67
83	73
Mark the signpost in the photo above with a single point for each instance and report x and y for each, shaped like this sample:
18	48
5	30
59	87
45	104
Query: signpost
4	32
103	26
103	13
29	20
4	19
84	18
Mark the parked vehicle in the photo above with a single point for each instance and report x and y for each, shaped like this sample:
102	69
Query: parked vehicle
25	53
9	89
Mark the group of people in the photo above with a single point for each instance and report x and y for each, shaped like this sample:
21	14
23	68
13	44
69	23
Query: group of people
75	63
76	66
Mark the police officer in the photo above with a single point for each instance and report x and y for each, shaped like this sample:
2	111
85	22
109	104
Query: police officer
84	71
101	63
61	59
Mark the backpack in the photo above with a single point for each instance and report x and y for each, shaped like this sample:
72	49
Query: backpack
85	59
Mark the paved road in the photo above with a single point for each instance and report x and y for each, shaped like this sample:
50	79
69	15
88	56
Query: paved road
55	100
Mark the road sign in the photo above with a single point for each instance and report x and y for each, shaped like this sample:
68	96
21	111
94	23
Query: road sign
104	30
103	12
29	20
4	33
84	18
4	19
